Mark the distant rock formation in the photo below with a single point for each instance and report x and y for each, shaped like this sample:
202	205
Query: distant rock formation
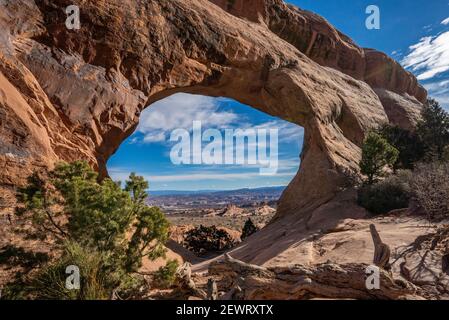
264	211
232	211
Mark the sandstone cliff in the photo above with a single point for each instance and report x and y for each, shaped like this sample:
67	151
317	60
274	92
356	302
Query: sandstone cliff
320	41
70	94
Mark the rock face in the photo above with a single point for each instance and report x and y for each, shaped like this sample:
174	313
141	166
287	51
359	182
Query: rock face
77	94
317	249
242	281
320	41
401	109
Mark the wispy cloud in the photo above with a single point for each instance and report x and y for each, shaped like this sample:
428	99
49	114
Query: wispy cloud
396	52
429	57
123	174
288	132
151	137
439	87
445	21
178	111
439	90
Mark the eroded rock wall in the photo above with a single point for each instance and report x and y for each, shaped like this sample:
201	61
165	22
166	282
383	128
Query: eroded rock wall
77	94
319	40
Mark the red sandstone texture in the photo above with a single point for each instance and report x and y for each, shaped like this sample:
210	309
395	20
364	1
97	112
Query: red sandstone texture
77	94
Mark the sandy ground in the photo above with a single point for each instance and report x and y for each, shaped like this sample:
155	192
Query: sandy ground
348	241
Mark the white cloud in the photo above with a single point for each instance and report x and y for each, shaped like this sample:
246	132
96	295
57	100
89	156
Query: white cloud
289	164
123	174
178	111
445	21
210	176
154	137
438	87
288	132
439	90
396	52
429	57
428	28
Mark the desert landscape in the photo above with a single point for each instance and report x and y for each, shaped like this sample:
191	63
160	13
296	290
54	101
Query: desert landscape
371	195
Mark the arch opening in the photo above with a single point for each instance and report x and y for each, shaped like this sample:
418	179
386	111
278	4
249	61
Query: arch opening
236	161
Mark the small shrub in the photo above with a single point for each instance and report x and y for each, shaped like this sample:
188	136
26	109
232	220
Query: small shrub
431	189
433	130
387	195
207	239
410	147
113	229
166	275
248	229
377	154
49	283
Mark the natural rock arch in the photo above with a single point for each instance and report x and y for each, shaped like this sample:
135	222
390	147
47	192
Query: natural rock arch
78	94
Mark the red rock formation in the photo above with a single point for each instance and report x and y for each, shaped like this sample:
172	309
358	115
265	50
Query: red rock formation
320	41
77	94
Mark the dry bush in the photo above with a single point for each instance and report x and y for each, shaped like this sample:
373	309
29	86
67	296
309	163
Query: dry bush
431	189
202	240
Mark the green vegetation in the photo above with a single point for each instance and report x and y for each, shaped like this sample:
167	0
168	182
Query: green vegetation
425	152
377	154
102	229
165	277
386	195
248	229
411	148
433	130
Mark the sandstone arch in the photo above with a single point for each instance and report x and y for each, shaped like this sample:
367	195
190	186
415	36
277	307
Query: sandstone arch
78	94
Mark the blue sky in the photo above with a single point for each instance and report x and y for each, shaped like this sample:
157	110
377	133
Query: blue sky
147	151
416	33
